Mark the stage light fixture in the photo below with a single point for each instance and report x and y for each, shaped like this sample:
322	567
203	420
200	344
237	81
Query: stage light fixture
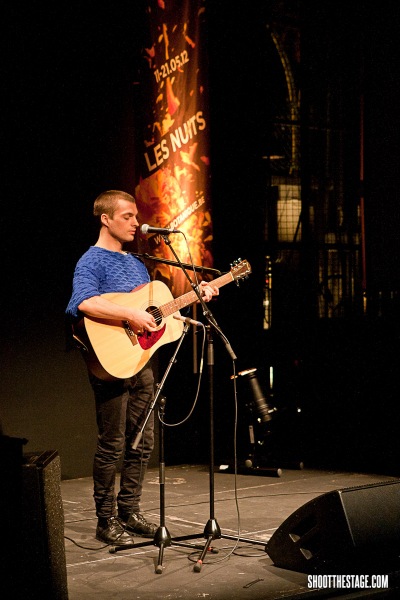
265	411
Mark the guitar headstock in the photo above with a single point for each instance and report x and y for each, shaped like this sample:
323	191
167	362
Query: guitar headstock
240	269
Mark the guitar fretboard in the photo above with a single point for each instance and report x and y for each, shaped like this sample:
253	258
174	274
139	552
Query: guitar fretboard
190	297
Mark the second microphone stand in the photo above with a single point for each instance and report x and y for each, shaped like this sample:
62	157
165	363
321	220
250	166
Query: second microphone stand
162	537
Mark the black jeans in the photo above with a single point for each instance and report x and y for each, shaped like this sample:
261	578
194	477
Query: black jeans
121	408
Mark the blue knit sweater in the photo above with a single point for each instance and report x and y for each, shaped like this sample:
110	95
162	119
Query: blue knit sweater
100	271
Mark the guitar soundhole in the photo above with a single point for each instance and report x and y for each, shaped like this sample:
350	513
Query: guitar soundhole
155	311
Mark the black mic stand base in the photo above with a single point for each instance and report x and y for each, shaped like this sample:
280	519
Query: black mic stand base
163	539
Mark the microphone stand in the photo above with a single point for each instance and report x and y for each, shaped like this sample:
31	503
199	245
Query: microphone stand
212	529
162	537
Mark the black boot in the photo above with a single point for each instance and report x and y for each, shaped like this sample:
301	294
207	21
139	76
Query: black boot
137	524
111	531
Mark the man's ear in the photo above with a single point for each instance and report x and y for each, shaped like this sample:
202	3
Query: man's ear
104	219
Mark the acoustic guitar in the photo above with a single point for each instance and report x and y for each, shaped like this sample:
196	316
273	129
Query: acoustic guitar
113	351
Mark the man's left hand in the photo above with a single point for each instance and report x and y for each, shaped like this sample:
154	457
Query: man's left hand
207	290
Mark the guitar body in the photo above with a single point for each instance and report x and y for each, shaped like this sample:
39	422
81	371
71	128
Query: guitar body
119	353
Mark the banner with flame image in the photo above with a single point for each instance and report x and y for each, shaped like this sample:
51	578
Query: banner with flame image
174	164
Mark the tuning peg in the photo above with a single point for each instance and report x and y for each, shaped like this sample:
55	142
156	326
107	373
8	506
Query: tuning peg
236	262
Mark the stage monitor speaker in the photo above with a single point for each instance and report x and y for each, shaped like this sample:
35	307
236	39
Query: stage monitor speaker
42	571
353	530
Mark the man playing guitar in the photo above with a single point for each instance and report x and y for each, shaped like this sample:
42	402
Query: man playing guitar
121	401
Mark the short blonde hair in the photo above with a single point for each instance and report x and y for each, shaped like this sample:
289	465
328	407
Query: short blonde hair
106	202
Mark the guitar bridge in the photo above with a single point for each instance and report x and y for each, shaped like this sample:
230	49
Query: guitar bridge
128	329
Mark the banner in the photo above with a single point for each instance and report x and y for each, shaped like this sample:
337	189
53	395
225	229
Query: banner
174	159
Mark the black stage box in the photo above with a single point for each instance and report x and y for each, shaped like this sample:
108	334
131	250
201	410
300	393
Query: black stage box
344	531
33	561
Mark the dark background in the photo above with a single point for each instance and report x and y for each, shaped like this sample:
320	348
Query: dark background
69	89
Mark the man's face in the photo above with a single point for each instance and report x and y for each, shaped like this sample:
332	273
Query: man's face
122	226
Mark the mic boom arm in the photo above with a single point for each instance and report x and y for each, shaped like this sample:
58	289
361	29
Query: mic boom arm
176	264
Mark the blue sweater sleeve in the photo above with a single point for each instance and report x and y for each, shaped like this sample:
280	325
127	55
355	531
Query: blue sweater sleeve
100	271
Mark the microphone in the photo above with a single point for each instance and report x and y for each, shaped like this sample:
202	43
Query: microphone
188	321
145	229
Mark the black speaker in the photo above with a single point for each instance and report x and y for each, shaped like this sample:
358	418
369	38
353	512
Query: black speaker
344	531
41	564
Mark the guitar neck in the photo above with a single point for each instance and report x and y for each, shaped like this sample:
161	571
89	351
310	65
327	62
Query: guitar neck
191	297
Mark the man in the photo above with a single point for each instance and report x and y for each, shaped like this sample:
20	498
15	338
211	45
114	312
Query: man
122	404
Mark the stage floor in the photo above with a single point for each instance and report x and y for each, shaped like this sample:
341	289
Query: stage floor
249	506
